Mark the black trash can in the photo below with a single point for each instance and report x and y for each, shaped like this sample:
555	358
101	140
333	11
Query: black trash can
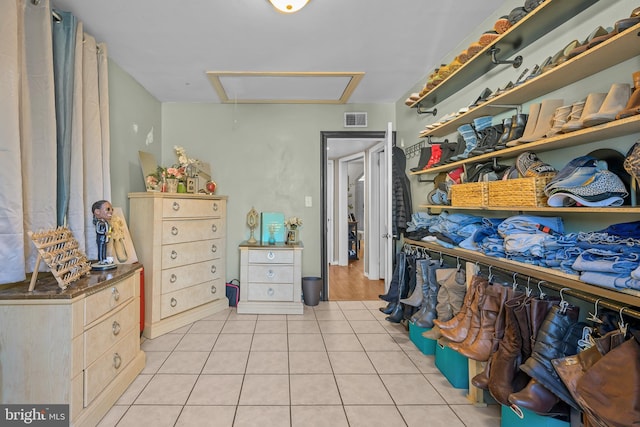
311	289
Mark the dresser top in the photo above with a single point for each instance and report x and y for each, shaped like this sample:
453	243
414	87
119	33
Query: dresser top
159	195
47	287
276	246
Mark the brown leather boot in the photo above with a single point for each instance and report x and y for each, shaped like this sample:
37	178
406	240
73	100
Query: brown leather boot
472	314
505	376
482	379
468	298
479	343
537	398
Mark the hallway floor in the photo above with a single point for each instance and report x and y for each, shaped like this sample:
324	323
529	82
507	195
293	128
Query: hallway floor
338	364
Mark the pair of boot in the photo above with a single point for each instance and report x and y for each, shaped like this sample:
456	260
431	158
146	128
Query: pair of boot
453	288
424	317
523	317
429	156
471	331
557	338
397	285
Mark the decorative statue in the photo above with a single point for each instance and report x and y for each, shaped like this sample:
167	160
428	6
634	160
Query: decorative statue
102	212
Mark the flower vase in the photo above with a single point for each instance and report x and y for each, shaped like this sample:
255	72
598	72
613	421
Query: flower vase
172	185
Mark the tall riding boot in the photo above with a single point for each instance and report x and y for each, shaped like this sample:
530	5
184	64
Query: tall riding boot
505	376
450	295
411	281
482	379
558	337
416	297
430	298
398	310
472	314
460	315
479	342
392	294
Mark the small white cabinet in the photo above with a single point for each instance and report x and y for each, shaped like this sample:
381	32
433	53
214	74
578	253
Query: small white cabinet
79	346
270	279
181	240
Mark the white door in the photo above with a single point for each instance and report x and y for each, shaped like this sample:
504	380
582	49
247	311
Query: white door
387	235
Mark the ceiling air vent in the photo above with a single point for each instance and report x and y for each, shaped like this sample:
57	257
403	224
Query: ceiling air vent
355	120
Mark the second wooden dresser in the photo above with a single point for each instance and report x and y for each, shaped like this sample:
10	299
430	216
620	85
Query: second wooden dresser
181	241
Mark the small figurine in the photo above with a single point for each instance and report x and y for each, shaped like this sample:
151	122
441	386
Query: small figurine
102	212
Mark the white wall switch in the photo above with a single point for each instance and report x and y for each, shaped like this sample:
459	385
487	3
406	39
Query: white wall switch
307	201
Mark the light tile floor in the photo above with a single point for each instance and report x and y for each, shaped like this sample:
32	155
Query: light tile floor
338	364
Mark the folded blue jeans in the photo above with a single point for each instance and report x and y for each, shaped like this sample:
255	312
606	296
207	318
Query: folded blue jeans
530	224
610	280
606	261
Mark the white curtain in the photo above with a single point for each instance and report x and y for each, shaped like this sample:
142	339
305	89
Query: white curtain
28	135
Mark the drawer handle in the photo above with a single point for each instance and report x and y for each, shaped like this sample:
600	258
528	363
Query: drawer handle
215	206
174	254
271	274
176	206
213	289
174	230
271	255
270	292
214	248
115	327
117	361
213	269
174	302
214	228
116	294
173	278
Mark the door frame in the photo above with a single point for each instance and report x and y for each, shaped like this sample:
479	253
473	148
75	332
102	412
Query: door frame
325	136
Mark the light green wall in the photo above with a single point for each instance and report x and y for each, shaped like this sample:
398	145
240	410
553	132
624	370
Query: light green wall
263	156
131	107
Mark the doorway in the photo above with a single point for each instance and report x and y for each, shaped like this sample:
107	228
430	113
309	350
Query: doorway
347	154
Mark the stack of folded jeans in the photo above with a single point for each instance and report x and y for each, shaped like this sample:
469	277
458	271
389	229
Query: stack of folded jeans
486	239
610	257
451	229
528	238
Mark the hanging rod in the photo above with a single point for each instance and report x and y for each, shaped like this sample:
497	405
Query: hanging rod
516	107
548	280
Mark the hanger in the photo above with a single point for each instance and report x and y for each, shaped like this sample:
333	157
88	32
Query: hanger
514	285
490	278
621	325
458	265
564	304
593	317
541	294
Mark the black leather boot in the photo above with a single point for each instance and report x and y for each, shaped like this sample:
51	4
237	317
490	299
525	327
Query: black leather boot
392	294
425	155
398	311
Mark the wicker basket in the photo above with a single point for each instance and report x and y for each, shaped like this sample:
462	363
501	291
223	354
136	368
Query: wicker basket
472	194
518	192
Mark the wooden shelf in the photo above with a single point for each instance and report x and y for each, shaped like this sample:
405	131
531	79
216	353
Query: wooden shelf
607	54
601	132
578	210
628	297
543	19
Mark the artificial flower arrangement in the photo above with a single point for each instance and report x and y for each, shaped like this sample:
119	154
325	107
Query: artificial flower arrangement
293	222
178	171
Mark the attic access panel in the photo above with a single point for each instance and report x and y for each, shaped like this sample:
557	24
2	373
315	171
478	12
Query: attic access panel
244	87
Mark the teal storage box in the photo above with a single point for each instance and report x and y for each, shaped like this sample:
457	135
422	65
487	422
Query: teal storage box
529	419
453	365
425	345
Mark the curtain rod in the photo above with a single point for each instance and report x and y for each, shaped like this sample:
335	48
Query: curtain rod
602	302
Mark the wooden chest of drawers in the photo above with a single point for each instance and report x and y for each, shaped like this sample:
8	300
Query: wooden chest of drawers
270	279
181	240
80	346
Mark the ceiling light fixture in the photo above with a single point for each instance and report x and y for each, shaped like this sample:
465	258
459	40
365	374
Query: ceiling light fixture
288	6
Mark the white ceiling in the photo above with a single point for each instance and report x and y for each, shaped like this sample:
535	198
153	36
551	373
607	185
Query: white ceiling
169	45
